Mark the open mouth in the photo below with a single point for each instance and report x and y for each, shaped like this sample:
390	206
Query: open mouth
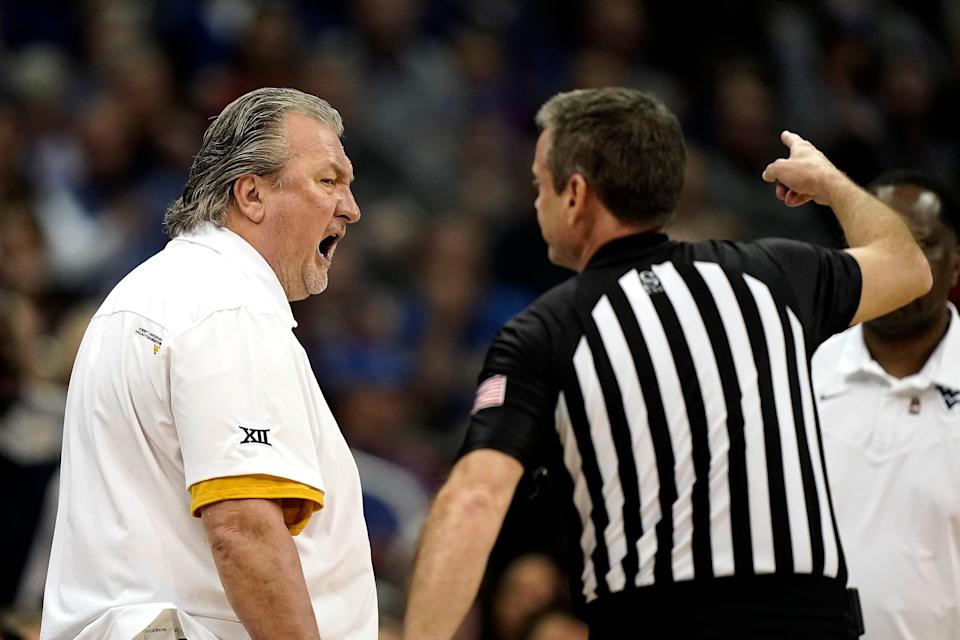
327	245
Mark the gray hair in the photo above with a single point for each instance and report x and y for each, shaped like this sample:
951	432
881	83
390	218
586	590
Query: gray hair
246	138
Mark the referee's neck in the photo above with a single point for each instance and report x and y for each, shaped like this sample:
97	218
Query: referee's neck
607	228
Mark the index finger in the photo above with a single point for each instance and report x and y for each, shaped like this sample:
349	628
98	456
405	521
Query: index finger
790	139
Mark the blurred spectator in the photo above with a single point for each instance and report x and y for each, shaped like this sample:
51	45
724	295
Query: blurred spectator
410	106
616	51
87	211
31	420
394	506
13	184
906	95
530	585
457	312
264	43
23	264
102	105
743	141
493	173
696	218
556	625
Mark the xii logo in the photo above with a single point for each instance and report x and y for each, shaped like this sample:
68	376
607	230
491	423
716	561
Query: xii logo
255	436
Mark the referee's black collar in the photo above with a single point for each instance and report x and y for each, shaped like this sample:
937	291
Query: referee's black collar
626	248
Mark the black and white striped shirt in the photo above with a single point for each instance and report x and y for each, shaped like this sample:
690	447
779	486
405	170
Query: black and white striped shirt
668	385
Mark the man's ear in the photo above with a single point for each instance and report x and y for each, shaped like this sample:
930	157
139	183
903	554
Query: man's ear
576	198
248	195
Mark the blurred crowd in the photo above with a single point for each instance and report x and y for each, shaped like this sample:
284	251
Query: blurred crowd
103	103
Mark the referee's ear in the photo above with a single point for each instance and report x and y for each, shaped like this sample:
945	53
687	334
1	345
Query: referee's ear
575	196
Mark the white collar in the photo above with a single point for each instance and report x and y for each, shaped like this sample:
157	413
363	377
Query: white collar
942	368
240	252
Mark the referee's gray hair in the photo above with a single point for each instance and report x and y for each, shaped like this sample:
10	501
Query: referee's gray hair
246	138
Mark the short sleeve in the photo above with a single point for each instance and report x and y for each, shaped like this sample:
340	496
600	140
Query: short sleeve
516	393
240	401
826	283
298	500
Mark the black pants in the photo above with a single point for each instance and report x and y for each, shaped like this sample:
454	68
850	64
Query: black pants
762	607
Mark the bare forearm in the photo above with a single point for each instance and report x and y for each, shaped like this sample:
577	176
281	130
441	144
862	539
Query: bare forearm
456	542
261	574
454	548
894	269
864	219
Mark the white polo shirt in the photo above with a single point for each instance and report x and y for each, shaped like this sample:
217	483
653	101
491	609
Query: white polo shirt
893	457
190	371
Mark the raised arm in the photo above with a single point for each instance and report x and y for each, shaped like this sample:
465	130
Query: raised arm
456	542
260	568
894	268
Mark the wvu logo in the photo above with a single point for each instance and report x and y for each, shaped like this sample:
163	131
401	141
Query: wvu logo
950	397
255	436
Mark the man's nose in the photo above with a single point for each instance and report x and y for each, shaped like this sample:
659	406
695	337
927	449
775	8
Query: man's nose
349	208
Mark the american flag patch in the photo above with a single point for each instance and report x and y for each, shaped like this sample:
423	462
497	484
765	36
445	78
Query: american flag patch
490	393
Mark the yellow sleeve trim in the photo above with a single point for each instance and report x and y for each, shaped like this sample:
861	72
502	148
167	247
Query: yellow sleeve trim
298	501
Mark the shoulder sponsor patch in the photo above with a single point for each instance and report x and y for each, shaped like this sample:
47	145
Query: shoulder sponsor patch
490	393
152	337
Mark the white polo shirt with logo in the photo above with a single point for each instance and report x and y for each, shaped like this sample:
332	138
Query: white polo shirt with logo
189	372
892	450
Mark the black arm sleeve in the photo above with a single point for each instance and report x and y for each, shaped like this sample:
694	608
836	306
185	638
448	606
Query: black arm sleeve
521	353
826	285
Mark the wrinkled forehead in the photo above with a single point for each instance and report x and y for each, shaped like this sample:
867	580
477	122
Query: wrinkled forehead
313	140
340	162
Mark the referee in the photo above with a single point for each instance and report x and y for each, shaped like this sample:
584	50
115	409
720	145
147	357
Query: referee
666	387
